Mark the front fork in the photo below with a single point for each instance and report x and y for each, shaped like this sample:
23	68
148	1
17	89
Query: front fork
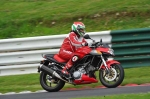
106	66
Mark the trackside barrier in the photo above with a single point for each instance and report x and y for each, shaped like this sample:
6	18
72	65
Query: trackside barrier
132	47
23	55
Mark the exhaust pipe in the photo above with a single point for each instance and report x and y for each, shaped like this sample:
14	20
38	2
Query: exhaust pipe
51	72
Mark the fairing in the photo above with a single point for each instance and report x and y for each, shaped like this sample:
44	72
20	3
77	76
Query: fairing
85	80
109	63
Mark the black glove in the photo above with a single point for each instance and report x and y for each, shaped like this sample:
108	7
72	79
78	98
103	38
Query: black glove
84	44
95	43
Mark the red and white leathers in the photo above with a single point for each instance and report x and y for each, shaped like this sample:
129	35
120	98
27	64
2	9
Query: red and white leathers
70	44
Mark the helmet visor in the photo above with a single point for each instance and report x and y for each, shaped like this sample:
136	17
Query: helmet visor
81	31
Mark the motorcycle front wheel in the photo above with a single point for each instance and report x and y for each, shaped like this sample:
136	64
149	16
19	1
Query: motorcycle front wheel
50	83
114	78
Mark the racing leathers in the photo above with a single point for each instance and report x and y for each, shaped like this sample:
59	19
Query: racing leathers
67	51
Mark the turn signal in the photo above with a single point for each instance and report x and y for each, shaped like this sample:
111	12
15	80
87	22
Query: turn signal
98	52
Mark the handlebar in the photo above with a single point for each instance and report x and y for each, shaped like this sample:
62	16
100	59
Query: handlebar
96	44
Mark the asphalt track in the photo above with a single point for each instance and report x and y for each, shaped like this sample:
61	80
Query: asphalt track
67	94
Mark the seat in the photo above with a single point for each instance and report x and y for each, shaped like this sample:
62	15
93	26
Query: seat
55	58
59	59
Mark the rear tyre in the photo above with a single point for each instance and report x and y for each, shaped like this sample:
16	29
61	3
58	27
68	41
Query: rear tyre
114	79
50	83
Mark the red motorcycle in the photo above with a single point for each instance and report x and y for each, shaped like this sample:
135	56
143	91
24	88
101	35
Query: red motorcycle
94	58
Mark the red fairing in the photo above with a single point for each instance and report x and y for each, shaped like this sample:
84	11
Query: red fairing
85	80
109	63
81	52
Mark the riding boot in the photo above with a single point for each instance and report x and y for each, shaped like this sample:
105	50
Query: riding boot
66	68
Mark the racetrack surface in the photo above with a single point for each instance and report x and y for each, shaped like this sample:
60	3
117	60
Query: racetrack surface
67	94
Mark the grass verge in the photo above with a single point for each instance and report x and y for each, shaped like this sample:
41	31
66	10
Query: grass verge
25	18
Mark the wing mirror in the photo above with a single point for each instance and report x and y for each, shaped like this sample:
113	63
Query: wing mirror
86	36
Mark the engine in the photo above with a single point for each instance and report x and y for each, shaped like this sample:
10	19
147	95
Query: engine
78	74
86	70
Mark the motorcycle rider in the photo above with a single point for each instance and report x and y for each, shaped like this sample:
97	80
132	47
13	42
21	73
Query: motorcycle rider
70	44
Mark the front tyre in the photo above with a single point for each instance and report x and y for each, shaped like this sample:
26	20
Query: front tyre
50	83
113	79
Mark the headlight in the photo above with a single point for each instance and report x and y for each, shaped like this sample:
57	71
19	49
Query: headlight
111	51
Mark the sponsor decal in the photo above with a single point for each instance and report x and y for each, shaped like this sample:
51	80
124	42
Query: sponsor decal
67	52
75	58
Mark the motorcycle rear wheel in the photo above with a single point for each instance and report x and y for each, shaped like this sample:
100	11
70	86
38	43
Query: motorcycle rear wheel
113	80
50	83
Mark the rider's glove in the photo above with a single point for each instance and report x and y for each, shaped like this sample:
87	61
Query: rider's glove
93	43
84	44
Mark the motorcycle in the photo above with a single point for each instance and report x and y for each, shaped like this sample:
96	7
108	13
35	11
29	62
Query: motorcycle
95	57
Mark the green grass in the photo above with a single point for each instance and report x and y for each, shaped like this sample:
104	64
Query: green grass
24	18
121	96
30	82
